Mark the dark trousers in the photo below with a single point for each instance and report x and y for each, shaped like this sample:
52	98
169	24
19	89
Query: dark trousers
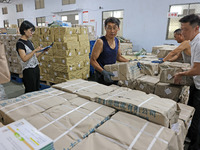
194	130
31	79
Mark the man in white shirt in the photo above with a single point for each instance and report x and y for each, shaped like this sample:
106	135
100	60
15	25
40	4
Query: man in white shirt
190	29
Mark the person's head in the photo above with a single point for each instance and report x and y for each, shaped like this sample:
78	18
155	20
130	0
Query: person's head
190	26
27	28
178	36
112	26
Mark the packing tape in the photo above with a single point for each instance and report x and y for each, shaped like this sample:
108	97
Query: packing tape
63	116
77	124
138	109
155	138
137	136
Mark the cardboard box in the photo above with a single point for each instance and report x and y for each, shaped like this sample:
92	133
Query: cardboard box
166	90
147	84
123	71
125	131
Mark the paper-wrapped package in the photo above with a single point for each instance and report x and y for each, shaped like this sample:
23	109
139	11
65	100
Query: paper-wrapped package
125	131
149	68
123	71
30	104
147	84
71	122
166	90
158	110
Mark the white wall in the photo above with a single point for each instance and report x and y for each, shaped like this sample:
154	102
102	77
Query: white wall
145	21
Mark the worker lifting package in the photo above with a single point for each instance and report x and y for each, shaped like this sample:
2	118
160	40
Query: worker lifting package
157	110
125	131
123	71
149	68
163	50
169	69
147	83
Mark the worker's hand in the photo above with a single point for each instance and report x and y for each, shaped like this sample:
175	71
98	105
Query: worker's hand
107	76
37	49
157	61
178	78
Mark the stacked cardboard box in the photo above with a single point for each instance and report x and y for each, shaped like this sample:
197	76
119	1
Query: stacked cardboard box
149	68
11	53
69	56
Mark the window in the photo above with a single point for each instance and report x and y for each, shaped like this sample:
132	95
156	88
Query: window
40	21
182	10
19	7
72	18
67	2
4	10
6	23
19	21
117	14
39	4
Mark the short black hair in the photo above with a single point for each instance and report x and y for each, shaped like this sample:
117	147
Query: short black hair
112	20
177	31
25	26
193	19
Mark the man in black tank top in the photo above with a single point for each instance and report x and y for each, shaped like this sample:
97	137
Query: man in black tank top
107	51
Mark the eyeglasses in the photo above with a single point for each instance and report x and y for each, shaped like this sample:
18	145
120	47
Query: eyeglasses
110	28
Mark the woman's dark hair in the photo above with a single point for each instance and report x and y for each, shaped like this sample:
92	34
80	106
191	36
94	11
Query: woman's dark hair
112	20
25	26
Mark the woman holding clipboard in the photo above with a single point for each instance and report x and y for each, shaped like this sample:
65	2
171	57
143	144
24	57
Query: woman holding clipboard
28	55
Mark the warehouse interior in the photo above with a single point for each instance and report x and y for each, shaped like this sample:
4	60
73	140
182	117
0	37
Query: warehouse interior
145	96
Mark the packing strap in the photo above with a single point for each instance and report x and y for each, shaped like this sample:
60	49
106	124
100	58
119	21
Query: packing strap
138	109
77	123
63	116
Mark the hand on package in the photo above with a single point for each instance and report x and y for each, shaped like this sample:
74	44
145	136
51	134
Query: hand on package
158	61
177	78
107	76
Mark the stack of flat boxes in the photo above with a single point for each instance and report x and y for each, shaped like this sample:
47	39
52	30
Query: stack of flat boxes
69	56
10	41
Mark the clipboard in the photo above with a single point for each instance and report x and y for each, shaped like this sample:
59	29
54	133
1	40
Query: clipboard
46	48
